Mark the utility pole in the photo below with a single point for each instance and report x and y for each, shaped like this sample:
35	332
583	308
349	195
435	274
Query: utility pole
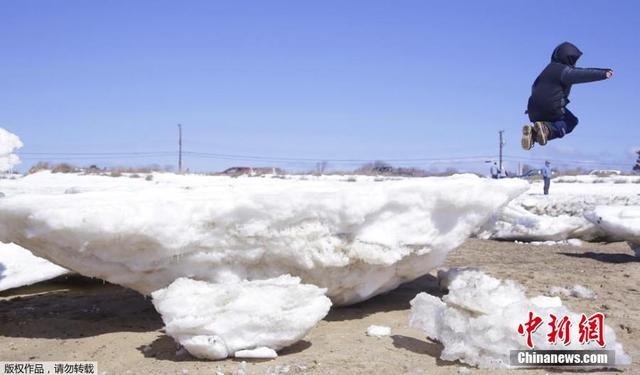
501	146
179	148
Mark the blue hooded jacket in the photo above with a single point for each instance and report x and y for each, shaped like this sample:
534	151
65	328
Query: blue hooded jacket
550	91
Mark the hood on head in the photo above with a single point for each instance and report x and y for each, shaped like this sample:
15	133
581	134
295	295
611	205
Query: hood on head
566	53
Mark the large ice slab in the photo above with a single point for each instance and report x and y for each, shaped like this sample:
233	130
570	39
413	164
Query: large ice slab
620	221
516	223
8	144
355	237
477	320
215	321
561	215
18	267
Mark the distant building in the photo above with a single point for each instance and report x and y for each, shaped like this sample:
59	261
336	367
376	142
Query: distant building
636	168
605	172
234	171
239	171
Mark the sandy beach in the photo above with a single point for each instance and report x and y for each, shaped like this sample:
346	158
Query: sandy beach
75	318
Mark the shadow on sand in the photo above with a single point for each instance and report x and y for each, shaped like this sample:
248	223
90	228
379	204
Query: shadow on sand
74	307
426	346
164	348
616	258
397	299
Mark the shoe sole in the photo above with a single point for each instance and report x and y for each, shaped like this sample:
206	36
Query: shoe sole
527	137
541	138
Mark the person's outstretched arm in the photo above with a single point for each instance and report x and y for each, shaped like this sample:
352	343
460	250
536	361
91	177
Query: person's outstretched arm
582	75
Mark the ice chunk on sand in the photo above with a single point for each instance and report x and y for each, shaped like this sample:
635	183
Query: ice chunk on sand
517	223
8	144
18	267
572	242
619	221
378	331
575	291
215	321
261	352
357	239
477	320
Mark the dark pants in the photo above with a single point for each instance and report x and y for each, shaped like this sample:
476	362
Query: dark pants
564	126
547	183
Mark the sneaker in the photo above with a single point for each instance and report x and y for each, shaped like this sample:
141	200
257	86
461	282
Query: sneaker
527	137
542	132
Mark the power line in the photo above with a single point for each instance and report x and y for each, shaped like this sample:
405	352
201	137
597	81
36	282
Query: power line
585	162
91	158
243	156
292	160
150	153
275	158
205	155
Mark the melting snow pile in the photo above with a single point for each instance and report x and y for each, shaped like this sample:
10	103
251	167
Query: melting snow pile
561	215
18	267
245	319
8	144
356	239
477	320
620	221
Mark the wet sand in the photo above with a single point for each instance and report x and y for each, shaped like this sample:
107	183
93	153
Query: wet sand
79	319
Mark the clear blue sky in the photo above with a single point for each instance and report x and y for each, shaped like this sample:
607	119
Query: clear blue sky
300	79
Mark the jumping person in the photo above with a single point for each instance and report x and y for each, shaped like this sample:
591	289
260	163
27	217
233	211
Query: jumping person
547	107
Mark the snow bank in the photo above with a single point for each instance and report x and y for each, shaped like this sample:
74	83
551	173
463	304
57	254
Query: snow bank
618	221
594	179
46	182
8	144
18	267
356	239
215	321
477	320
378	331
561	215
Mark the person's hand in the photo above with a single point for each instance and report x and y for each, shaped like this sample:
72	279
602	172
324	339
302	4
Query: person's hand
609	74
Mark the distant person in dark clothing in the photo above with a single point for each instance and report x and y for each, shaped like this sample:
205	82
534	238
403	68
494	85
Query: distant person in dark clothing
546	176
547	107
494	171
